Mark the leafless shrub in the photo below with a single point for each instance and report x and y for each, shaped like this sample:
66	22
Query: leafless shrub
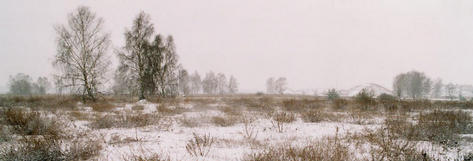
200	145
281	118
327	149
249	129
84	149
384	144
312	116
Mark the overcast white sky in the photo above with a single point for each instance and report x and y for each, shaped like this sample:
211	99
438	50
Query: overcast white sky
314	43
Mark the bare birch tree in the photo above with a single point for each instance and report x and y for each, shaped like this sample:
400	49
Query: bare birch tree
133	57
196	83
81	53
232	85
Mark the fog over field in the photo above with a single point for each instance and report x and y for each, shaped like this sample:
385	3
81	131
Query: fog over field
314	44
241	80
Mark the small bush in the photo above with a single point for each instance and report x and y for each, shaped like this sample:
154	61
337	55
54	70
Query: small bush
327	149
365	99
332	95
285	117
389	102
84	149
281	118
249	129
200	145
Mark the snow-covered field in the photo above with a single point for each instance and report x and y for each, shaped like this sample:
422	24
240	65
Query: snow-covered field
235	129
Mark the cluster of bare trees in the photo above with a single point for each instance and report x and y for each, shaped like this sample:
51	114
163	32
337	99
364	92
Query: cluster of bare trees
412	84
218	84
22	84
276	86
191	84
148	62
147	67
417	85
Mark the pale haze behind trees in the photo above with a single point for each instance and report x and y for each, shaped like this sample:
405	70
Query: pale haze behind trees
314	44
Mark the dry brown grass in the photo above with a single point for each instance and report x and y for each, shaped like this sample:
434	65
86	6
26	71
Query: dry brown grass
384	144
301	105
328	149
153	157
225	121
79	115
318	116
125	121
232	110
31	123
166	109
102	106
49	102
137	108
339	104
441	127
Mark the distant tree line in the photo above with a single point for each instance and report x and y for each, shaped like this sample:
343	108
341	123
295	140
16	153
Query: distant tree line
417	85
276	86
22	84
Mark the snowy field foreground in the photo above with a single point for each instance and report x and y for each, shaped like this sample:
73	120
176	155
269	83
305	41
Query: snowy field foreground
238	128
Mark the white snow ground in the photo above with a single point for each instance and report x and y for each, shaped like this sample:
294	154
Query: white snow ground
123	143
